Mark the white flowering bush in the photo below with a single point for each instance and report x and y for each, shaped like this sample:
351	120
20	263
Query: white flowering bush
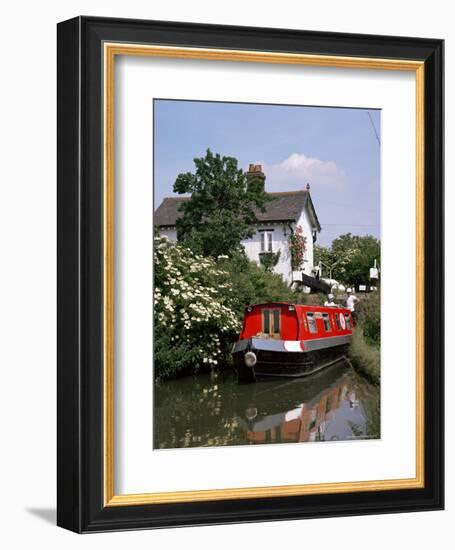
195	319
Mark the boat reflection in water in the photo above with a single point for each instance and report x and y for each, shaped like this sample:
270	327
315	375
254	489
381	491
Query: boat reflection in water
334	413
334	404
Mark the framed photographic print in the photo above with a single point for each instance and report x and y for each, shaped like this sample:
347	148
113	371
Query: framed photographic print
250	274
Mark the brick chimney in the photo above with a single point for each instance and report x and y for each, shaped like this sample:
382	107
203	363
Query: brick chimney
255	173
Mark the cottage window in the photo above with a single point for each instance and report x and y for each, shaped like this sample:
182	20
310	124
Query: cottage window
266	241
312	323
327	325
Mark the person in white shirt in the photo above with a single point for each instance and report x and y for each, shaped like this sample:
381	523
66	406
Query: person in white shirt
329	302
350	302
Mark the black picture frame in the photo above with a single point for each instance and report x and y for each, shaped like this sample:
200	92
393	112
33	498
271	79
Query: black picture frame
80	474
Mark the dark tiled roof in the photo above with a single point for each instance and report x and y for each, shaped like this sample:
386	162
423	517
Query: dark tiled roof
284	207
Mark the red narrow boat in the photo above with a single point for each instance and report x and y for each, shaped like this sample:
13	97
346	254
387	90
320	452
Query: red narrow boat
281	339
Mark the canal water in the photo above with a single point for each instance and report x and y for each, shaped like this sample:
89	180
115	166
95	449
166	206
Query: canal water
209	410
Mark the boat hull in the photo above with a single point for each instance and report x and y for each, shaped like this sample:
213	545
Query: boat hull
274	361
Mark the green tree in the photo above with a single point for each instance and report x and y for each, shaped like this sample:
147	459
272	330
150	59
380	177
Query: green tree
269	260
351	257
322	254
221	210
252	284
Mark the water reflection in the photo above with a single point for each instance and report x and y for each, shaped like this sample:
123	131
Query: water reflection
211	410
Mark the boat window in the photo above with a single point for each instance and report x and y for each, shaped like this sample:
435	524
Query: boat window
276	319
266	322
271	322
348	321
337	319
305	324
312	323
327	325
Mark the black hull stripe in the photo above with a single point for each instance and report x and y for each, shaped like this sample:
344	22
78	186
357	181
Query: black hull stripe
279	374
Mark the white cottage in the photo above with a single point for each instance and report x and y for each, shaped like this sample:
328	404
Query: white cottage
284	213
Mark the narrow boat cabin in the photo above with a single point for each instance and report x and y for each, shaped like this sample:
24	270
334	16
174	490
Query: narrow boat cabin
283	321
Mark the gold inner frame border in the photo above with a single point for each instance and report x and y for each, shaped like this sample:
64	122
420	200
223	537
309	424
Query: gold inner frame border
110	51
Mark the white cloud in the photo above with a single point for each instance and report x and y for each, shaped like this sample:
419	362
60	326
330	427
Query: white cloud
298	170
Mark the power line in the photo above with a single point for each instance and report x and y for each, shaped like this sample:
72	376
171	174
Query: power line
374	128
350	224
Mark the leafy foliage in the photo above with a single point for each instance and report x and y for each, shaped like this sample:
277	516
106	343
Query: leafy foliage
253	284
352	256
364	350
369	316
194	315
323	254
269	259
221	210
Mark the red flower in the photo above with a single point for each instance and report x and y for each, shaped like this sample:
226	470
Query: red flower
297	246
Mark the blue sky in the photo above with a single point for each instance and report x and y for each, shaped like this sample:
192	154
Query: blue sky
335	150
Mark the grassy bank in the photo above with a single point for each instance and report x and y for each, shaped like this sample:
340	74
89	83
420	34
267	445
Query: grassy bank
365	358
364	351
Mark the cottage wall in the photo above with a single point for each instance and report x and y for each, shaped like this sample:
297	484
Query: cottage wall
280	238
171	233
280	242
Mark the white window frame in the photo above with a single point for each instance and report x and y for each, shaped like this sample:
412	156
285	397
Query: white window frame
266	241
